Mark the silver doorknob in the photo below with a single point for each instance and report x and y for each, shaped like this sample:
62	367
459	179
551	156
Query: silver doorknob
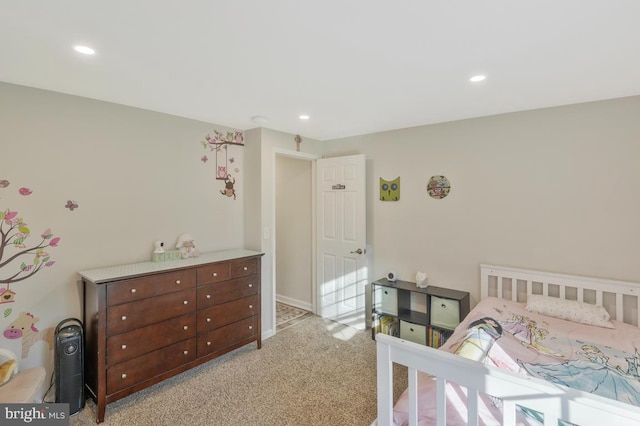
359	251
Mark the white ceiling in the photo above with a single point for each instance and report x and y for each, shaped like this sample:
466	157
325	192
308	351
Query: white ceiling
355	66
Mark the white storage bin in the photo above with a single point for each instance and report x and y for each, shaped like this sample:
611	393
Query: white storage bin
413	332
387	300
445	313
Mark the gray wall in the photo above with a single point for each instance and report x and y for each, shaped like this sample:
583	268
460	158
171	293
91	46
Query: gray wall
136	176
553	189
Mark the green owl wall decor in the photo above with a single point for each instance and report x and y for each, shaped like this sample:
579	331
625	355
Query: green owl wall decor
390	189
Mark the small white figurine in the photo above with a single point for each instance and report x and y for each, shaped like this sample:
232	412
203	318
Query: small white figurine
421	280
187	246
159	247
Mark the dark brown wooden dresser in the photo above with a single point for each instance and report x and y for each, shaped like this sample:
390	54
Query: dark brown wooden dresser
145	322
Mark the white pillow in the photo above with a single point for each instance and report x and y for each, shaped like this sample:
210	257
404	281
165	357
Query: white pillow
571	310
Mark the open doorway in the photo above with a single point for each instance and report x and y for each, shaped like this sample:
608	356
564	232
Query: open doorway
294	230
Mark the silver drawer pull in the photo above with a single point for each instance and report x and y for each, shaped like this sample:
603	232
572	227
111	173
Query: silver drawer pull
250	285
250	306
186	302
124	318
124	375
124	346
215	274
208	319
245	268
133	290
177	281
250	327
208	343
186	352
186	327
208	296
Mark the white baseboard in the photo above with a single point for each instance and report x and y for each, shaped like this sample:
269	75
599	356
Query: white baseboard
294	302
267	334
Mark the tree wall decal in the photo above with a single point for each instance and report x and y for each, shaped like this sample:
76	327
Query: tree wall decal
18	261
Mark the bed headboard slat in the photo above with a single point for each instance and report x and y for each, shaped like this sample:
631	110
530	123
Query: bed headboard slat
514	290
619	307
565	287
599	297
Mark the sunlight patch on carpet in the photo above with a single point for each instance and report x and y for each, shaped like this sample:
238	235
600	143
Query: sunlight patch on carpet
347	333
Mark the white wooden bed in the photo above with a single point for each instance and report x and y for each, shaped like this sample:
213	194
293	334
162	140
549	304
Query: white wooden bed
622	301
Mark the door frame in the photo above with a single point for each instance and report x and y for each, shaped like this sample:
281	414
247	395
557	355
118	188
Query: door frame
272	241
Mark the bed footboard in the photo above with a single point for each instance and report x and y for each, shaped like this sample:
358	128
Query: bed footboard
554	401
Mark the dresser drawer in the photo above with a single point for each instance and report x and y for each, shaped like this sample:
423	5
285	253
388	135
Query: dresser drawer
244	267
149	311
219	315
175	281
213	273
129	290
223	337
136	370
217	293
149	286
131	344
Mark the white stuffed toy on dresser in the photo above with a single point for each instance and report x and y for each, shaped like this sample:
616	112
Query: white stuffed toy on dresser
187	246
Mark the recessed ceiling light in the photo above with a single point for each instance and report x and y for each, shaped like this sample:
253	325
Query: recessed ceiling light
304	117
259	119
477	78
84	50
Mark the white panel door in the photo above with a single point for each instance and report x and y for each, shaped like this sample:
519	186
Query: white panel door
341	239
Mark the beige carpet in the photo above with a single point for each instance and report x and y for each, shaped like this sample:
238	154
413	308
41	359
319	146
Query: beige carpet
313	373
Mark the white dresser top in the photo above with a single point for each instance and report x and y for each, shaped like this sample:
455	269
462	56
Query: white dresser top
112	273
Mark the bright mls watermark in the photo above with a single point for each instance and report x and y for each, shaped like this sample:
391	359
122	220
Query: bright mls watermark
34	414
